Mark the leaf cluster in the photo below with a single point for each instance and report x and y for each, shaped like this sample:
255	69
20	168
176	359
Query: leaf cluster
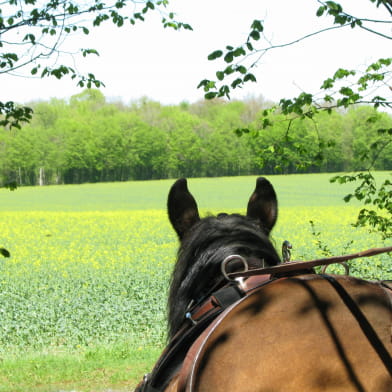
378	215
241	59
12	115
43	27
234	68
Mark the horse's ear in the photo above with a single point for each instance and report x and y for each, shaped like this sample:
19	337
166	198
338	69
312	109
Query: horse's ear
182	208
263	204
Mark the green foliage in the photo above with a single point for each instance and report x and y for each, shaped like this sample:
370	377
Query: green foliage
343	90
13	115
242	58
379	217
90	140
325	251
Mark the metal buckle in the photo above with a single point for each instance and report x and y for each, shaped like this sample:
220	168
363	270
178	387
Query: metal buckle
343	263
229	259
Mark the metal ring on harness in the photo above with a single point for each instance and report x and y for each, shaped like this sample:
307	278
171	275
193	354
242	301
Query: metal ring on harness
345	265
228	260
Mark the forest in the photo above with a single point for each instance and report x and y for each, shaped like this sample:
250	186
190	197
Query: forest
88	138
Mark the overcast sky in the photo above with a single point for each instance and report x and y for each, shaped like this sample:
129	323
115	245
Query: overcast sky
166	65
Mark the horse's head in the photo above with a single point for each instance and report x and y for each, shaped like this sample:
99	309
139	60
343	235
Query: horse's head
205	243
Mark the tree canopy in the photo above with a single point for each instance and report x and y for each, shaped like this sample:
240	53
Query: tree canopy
87	139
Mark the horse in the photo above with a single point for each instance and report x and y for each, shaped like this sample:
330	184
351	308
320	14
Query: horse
241	320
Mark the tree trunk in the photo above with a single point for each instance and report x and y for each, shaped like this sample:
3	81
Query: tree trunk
41	179
20	176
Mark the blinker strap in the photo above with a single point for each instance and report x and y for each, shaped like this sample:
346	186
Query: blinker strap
227	296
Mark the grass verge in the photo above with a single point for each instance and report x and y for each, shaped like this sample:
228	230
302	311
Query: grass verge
110	368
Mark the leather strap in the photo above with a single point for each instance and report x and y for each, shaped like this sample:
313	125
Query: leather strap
201	316
225	296
363	323
292	266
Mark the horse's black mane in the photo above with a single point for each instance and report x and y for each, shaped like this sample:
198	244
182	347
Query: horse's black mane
207	243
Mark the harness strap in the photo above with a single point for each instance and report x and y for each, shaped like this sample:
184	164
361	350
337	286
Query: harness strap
292	266
227	296
201	317
363	322
224	297
387	284
145	385
221	298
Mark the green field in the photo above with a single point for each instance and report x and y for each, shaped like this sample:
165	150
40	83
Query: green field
83	296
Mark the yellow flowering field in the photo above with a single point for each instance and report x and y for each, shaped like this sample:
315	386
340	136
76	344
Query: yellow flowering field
79	278
75	279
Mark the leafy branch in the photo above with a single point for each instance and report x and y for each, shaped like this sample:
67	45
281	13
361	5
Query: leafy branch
378	217
342	90
240	60
43	28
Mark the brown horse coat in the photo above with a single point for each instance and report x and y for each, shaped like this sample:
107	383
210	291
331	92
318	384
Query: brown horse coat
306	333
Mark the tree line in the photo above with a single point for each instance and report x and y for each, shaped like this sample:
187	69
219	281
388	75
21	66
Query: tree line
88	139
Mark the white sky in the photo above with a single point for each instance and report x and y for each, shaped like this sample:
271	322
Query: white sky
165	65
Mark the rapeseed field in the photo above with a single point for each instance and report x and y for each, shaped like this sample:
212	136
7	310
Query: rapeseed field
91	264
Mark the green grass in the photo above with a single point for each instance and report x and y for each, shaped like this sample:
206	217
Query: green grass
83	296
117	366
212	193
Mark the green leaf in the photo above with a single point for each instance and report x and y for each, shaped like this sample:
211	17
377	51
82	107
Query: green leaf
229	57
321	11
187	26
342	19
30	37
265	124
203	83
343	73
249	77
210	95
236	83
239	52
257	25
327	84
334	6
255	35
224	91
214	55
241	69
220	75
347	91
240	131
229	70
